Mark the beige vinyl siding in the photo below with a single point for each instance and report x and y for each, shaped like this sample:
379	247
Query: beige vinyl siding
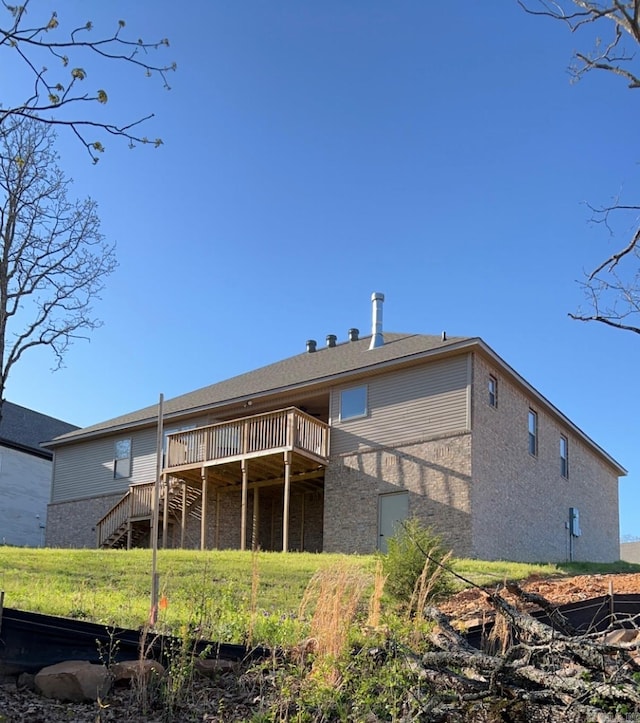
86	469
406	405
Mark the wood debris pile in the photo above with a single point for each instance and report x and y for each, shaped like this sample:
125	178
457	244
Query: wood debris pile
531	671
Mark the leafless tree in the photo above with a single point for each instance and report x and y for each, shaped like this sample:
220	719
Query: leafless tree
53	258
57	95
612	289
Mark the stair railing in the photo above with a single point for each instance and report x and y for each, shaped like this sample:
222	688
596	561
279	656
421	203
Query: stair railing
137	502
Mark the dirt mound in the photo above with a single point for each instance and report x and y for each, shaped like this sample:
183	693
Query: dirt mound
469	605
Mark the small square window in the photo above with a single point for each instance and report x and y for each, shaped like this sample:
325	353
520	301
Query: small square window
122	461
493	391
533	433
564	457
353	403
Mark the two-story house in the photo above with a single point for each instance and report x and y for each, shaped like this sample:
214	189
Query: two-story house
329	449
25	473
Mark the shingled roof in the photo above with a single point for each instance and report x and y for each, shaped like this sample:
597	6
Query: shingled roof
22	428
325	366
294	372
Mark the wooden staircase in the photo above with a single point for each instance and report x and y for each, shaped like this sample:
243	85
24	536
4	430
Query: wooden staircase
129	520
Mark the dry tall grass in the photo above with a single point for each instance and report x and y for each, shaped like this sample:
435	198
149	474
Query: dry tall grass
334	595
255	585
375	601
427	583
500	637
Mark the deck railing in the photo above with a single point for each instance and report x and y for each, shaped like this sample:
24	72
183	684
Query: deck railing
285	429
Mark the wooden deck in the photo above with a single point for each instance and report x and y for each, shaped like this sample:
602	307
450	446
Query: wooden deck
286	447
220	450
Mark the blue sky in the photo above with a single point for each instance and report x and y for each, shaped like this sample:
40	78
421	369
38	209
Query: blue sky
316	152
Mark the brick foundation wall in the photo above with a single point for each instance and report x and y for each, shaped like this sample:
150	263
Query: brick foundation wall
73	524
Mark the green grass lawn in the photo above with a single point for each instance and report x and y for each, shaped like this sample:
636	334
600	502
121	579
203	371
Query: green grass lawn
212	590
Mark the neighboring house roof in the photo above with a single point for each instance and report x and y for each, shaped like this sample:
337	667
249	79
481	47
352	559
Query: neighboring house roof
327	365
24	429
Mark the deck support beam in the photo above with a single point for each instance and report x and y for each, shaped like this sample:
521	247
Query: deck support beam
216	542
243	505
203	521
287	495
302	514
183	518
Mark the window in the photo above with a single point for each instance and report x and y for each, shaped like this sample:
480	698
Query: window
122	461
564	457
533	433
353	403
493	391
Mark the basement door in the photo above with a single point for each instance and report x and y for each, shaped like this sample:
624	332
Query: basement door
393	509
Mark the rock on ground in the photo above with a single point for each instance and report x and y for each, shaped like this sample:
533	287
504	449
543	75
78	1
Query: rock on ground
74	681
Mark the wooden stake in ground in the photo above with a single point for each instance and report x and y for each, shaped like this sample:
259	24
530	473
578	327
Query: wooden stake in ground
155	519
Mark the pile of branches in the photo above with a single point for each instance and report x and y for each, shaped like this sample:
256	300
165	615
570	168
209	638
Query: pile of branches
532	672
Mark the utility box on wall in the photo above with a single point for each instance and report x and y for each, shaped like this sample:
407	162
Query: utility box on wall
574	522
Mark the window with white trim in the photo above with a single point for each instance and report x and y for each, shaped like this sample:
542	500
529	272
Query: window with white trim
533	433
353	403
564	457
122	459
493	391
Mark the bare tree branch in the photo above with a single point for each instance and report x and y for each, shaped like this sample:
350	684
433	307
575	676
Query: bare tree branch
56	96
612	288
53	258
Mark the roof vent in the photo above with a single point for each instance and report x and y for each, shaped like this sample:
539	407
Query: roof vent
331	340
444	336
311	345
376	320
353	334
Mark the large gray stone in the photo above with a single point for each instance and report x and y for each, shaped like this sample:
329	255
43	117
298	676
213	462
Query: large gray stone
137	671
212	667
74	681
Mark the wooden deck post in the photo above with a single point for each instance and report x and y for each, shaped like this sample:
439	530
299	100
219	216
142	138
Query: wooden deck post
183	518
129	523
256	519
287	495
243	505
216	541
203	521
302	522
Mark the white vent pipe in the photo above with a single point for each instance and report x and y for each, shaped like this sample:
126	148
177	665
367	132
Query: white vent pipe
376	320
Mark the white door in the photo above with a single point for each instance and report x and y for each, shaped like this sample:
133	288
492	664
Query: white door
393	509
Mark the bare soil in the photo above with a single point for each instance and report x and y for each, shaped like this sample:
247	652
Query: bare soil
234	696
468	606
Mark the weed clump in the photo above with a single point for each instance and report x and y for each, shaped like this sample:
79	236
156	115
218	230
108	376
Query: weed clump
414	568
